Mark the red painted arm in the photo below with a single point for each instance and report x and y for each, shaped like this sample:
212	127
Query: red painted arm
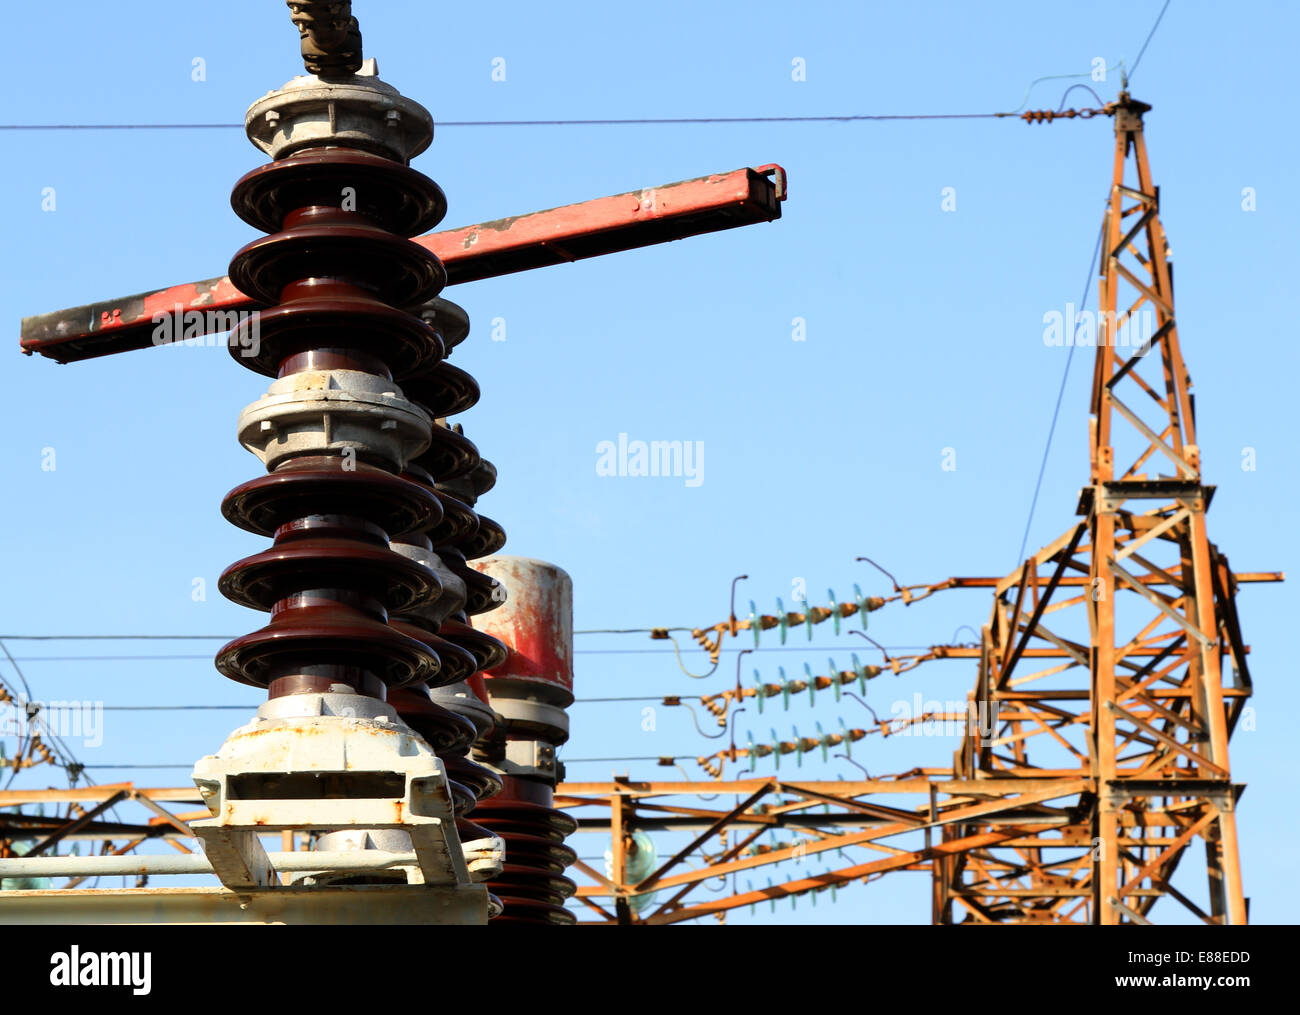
639	218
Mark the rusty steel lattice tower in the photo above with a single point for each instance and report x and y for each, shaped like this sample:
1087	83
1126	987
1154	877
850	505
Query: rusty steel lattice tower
1144	740
1096	751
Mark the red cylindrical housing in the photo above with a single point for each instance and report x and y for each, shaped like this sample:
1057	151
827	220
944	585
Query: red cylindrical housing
535	622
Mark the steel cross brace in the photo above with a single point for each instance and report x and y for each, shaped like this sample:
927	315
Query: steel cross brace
1019	809
573	232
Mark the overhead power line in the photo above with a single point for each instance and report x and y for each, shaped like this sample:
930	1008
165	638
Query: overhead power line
227	637
643	121
638	121
568	761
116	637
1148	39
1060	395
1056	411
39	732
823	647
245	708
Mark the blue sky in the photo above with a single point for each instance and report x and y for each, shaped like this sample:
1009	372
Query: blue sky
923	332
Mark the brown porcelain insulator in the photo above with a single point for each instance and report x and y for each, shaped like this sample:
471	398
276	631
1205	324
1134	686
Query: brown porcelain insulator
532	886
339	274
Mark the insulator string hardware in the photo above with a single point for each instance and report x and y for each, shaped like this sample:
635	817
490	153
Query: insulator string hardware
1048	115
834	680
806	617
714	764
813	892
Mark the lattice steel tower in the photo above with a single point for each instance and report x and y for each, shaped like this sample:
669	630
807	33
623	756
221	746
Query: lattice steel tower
1136	598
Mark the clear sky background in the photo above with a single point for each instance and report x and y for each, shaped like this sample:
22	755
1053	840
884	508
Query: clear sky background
923	332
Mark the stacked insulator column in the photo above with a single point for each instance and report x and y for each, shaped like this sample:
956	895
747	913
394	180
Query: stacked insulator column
453	472
354	463
531	886
374	669
334	430
530	690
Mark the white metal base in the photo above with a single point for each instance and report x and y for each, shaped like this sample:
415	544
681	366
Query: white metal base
331	736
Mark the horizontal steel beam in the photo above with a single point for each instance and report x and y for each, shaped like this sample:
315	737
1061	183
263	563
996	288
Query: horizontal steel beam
774	822
1074	580
845	789
83	794
342	904
661	823
13	827
197	863
573	232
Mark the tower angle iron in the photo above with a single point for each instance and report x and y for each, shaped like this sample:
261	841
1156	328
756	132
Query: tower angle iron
1158	620
393	712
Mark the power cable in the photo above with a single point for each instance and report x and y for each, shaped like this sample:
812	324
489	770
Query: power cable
1056	411
567	761
1061	77
1070	356
116	637
72	768
621	122
1148	40
582	651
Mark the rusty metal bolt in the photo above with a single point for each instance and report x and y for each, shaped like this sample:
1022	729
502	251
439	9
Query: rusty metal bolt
330	36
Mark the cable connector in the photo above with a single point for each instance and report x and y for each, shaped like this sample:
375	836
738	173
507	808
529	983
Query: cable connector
1048	115
331	36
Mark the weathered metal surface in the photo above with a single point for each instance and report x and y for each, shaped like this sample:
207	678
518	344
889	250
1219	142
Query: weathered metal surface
535	622
571	232
410	905
529	687
330	35
84	794
331	763
197	863
357	111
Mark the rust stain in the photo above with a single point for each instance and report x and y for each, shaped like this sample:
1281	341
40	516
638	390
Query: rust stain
708	178
504	224
296	730
501	225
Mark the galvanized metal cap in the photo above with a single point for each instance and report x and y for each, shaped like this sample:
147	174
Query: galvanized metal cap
359	111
